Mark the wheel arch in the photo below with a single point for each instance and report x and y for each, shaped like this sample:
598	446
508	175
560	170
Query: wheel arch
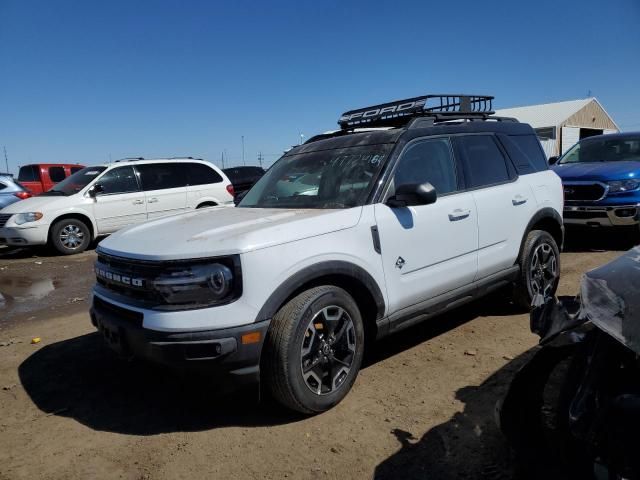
77	216
353	279
546	219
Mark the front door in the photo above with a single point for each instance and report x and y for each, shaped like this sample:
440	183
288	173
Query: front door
120	201
427	250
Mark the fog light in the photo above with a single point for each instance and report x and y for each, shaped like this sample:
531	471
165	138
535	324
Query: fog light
625	212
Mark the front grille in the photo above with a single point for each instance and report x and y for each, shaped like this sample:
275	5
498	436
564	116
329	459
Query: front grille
139	276
4	218
581	192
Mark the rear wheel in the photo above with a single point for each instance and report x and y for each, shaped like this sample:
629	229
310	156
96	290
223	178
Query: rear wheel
70	236
314	349
539	268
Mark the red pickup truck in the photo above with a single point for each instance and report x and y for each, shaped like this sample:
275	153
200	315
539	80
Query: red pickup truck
40	177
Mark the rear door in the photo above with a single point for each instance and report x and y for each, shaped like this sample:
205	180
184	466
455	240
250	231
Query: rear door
504	202
204	184
121	201
165	188
427	250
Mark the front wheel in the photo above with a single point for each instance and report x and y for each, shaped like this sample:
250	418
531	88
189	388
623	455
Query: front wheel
539	268
70	236
314	349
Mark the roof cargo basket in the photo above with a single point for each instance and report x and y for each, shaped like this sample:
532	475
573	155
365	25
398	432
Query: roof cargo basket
439	107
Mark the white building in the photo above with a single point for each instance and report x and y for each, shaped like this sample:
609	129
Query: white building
560	125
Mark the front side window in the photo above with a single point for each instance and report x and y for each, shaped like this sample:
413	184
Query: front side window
604	150
76	182
29	173
338	178
484	163
428	161
119	180
161	176
56	174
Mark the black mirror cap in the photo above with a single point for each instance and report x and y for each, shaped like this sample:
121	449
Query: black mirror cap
95	190
410	194
553	160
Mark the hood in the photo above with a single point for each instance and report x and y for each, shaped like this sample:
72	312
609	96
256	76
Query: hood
35	204
221	231
601	171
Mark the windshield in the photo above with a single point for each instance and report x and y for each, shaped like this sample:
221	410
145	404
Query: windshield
604	150
340	178
76	182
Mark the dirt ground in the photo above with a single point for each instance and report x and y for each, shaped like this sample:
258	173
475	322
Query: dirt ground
421	408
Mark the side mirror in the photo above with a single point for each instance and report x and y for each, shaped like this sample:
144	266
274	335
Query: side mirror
95	190
410	194
553	160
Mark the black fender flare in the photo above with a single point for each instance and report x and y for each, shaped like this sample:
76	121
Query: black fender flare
543	213
318	270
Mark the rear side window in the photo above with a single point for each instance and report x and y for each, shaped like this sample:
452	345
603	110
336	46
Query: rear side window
160	176
483	161
119	180
200	174
428	161
2	186
29	173
56	174
75	169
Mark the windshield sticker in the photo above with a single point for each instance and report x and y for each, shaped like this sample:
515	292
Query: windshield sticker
92	172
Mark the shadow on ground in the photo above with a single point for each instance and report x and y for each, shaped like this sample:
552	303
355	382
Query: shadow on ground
468	445
80	378
594	239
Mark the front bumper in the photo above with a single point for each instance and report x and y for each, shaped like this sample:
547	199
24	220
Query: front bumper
226	354
23	236
604	215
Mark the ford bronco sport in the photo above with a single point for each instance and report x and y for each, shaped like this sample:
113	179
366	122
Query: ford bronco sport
409	209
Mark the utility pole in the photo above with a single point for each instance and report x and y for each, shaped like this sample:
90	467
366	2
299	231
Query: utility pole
222	159
260	159
243	150
6	160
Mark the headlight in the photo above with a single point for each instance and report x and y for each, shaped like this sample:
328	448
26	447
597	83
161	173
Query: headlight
623	185
21	218
197	285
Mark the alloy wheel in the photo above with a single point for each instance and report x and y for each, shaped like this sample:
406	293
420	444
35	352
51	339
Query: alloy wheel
544	270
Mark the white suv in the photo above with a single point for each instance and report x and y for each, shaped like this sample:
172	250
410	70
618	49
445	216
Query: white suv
352	236
102	199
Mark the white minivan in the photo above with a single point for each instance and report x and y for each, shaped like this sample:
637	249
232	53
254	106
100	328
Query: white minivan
101	199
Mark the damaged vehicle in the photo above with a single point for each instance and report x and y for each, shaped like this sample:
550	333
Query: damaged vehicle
573	411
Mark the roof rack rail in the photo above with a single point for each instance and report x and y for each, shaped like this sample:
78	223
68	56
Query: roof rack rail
6	174
129	159
441	107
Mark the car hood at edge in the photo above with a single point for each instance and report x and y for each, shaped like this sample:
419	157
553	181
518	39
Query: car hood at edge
602	171
43	203
221	231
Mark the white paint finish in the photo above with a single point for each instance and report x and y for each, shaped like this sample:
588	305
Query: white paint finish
169	201
116	211
503	214
439	252
570	136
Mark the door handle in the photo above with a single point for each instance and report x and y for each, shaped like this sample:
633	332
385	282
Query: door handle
138	202
459	214
153	200
519	200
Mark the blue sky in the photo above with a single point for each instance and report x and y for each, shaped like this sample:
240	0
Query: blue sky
84	80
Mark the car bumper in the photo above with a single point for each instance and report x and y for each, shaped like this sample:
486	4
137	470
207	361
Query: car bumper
228	354
23	236
605	215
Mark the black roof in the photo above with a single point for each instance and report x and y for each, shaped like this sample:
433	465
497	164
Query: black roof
613	136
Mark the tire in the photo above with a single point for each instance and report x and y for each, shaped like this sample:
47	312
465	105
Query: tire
543	279
70	236
298	336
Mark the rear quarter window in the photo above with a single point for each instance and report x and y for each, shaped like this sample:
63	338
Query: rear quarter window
200	174
526	153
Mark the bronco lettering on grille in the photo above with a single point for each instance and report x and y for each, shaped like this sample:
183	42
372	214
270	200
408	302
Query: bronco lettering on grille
117	278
